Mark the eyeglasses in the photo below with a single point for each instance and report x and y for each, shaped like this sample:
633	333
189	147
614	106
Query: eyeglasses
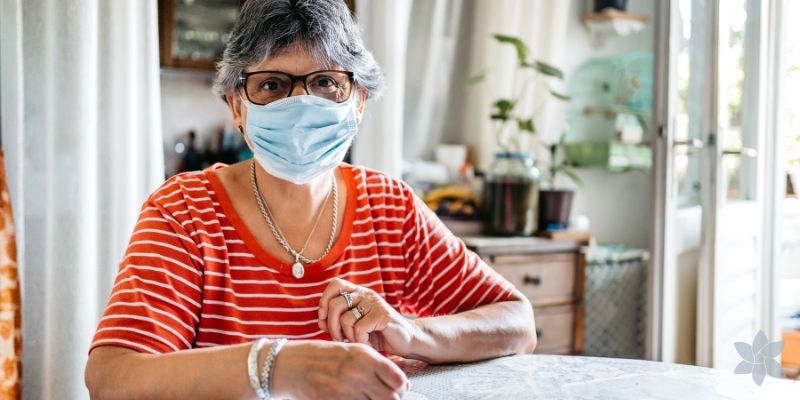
264	87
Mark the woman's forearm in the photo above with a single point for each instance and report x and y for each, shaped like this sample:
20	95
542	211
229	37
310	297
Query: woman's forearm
309	369
213	373
492	330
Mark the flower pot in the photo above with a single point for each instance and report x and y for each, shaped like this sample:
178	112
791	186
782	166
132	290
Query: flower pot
554	209
600	5
510	195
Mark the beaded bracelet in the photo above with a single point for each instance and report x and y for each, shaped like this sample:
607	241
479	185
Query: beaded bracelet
252	368
269	364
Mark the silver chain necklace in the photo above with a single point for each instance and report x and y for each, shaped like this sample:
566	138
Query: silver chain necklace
298	270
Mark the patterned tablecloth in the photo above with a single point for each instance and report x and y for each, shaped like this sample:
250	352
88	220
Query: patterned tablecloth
571	377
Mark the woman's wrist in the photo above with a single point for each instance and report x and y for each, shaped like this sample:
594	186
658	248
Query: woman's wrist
421	344
253	358
265	378
283	369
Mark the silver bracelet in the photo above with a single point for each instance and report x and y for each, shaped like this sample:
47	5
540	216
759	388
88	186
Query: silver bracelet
269	364
252	368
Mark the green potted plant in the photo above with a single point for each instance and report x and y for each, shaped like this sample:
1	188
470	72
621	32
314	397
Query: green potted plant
511	192
555	204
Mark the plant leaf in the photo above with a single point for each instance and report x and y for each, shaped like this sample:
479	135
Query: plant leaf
519	45
526	125
745	351
545	69
477	78
503	109
560	96
570	173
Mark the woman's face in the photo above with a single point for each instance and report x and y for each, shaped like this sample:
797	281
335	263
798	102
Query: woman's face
295	61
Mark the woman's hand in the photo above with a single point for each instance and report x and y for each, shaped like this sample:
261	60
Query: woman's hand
379	324
327	370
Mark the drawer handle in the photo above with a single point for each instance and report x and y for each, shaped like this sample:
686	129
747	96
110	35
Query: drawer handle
539	333
532	280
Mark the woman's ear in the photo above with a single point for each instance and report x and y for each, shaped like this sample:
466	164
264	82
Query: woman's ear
362	103
238	110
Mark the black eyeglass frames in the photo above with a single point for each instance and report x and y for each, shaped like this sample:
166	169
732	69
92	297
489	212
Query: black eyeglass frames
264	87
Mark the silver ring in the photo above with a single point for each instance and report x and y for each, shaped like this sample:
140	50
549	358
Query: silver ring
357	313
348	297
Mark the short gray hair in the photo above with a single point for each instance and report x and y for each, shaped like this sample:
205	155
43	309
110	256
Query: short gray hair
324	27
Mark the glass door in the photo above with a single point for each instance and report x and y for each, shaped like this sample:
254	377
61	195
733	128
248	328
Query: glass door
682	108
708	207
729	295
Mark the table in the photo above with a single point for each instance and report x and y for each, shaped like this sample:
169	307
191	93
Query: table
573	377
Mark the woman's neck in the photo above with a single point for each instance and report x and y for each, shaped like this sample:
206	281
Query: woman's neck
286	198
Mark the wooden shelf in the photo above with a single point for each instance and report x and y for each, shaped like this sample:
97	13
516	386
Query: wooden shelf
613	15
610	23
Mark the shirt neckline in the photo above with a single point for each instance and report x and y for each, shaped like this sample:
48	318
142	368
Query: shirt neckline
264	256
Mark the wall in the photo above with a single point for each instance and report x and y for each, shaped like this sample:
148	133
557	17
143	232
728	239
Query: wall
188	104
618	204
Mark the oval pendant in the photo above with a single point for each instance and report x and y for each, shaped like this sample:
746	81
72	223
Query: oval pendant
298	270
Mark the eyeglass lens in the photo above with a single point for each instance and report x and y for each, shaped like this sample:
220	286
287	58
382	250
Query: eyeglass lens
266	87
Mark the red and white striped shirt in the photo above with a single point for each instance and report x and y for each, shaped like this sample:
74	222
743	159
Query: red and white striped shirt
195	276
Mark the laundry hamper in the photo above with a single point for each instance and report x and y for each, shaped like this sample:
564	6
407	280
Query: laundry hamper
615	301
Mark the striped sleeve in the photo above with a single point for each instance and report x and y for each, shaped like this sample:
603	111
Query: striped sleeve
155	302
443	276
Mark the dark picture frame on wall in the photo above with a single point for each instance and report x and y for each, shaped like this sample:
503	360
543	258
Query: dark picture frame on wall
192	34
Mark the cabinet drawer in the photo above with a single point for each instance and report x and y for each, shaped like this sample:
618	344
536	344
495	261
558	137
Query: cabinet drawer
555	329
544	279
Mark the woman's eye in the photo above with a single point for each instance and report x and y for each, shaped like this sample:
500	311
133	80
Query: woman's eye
326	82
270	85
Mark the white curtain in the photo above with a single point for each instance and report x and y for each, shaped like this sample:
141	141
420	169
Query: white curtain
384	25
430	57
542	25
81	127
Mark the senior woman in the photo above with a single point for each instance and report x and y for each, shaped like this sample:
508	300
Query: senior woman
226	264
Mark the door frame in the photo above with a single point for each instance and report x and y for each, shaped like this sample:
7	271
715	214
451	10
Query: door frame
775	183
662	175
709	165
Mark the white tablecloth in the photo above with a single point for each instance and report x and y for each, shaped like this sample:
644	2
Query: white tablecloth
571	377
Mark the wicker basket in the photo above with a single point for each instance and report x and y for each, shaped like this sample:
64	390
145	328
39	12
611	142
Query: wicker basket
616	301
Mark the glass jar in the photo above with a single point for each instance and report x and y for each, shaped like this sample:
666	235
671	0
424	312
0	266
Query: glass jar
511	195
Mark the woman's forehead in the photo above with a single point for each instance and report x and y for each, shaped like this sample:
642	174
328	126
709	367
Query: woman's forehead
295	60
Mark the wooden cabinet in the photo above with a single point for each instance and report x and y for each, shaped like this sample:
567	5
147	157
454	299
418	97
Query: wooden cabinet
551	275
193	33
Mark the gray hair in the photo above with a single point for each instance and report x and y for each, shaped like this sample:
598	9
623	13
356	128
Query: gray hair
325	28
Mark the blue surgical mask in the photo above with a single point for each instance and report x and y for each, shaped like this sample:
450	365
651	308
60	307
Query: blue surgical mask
301	137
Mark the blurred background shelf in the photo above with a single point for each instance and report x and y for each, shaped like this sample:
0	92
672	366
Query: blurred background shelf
611	155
